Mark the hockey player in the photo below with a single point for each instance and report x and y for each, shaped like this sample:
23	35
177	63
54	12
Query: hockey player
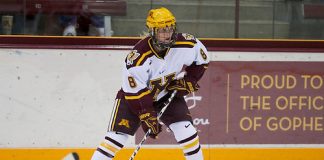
149	76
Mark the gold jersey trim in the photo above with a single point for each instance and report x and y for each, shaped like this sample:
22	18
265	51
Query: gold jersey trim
143	57
139	96
184	43
115	114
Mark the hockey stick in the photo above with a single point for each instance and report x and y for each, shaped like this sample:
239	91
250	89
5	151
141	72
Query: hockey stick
71	156
166	104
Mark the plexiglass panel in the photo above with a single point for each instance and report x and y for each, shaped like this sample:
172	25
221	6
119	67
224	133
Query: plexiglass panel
264	19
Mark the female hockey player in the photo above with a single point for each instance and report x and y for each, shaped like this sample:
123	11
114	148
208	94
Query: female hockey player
149	76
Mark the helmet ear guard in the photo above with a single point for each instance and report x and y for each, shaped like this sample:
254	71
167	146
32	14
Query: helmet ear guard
157	19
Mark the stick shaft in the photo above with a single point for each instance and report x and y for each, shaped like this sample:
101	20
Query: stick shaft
166	104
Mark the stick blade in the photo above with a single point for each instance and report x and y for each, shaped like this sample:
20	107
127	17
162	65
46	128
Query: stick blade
71	156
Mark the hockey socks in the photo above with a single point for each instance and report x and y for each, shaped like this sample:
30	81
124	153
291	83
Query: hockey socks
187	137
110	146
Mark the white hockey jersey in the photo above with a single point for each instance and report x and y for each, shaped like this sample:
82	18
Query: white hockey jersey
145	72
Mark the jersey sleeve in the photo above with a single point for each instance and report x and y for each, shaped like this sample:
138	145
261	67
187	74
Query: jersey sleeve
197	69
201	54
135	87
134	79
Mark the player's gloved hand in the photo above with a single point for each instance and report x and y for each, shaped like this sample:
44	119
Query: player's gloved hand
183	86
149	121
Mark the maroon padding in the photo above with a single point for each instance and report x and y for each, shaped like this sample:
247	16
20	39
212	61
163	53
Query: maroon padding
314	11
127	43
264	45
11	6
76	7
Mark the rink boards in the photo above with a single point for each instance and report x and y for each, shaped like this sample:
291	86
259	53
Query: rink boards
172	154
252	105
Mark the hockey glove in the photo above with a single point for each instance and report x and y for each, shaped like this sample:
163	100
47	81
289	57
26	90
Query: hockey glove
149	121
183	86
